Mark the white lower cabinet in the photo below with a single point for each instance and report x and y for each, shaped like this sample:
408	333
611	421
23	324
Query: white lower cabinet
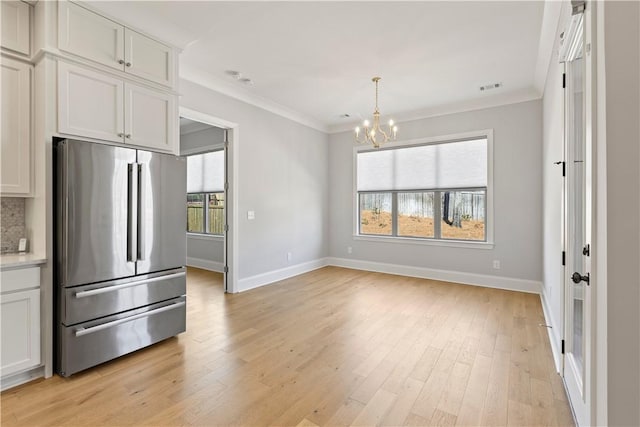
96	105
20	317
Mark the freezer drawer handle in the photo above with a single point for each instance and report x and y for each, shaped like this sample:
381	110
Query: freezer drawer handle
83	294
82	331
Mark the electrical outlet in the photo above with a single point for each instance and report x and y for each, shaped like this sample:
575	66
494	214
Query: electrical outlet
349	250
496	264
289	256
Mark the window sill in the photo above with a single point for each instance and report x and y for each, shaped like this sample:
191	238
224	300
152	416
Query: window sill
202	236
425	242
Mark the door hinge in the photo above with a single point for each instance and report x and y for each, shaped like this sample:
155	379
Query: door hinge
226	186
564	166
564	80
564	258
226	138
226	227
562	348
226	270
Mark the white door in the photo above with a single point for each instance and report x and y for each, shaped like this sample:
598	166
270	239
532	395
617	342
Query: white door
577	356
89	35
147	58
90	104
150	118
16	128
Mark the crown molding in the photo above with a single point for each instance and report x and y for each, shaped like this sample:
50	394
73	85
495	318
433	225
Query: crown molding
514	97
208	81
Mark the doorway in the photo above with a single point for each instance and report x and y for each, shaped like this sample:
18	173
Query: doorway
205	147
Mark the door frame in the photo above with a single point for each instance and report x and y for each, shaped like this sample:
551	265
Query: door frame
231	193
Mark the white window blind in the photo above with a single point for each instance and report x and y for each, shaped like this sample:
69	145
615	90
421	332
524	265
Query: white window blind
205	172
460	164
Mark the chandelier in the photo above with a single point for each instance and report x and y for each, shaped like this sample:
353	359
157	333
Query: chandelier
373	133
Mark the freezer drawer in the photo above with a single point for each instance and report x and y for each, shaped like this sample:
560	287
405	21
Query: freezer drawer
84	303
89	344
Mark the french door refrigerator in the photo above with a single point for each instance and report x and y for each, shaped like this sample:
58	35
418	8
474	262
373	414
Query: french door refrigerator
120	251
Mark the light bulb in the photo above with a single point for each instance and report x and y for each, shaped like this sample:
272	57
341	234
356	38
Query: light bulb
357	130
373	133
395	131
366	123
390	123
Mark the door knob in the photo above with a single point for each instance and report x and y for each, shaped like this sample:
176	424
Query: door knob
577	278
121	61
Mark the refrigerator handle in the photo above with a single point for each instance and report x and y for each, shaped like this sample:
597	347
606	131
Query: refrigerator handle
132	193
142	194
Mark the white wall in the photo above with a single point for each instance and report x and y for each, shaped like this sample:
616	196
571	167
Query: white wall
204	251
552	189
282	176
622	86
517	198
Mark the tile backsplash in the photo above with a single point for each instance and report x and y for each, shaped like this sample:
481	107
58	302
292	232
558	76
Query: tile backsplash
12	226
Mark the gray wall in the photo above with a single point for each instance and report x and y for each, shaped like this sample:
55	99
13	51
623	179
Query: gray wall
282	176
517	196
204	251
622	59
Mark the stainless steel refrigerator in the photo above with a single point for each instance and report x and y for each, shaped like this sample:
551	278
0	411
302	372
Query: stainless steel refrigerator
120	249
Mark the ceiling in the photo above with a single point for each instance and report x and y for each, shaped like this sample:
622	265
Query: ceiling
313	61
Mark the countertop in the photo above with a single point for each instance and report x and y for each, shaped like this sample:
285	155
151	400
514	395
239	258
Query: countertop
12	261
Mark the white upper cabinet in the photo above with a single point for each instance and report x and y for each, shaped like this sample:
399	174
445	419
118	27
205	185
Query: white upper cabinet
97	105
150	118
89	103
148	59
94	37
15	175
15	33
90	35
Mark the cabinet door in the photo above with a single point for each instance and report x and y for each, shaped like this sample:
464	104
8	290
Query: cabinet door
150	118
15	175
20	315
147	58
15	26
89	103
90	35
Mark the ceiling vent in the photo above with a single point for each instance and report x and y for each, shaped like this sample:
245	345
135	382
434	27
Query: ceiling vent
490	87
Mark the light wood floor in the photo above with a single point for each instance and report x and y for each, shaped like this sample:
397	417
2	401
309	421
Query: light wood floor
331	347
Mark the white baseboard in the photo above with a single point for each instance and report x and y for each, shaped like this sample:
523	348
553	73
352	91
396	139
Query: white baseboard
554	332
281	274
205	264
498	282
19	378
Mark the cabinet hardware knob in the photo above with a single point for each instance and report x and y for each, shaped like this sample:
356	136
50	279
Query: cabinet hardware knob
128	64
120	61
128	136
121	135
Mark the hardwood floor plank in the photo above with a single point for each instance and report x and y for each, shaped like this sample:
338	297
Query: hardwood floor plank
332	347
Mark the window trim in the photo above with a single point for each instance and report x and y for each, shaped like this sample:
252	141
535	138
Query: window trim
442	139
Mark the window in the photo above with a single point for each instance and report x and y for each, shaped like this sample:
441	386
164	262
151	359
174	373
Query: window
430	191
205	193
